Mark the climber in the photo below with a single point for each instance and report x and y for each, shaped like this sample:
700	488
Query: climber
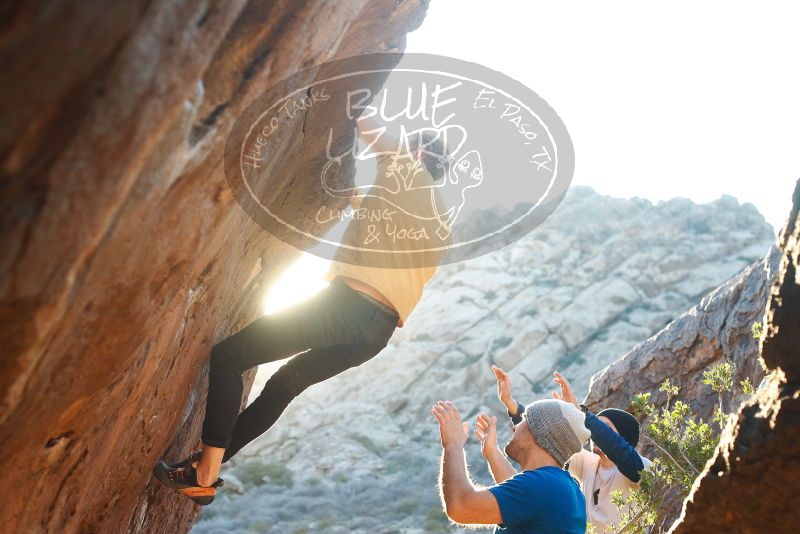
541	498
613	464
346	324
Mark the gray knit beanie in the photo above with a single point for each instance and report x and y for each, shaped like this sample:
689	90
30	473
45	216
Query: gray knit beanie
557	427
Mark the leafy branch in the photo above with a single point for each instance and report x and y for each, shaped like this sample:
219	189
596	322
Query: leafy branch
684	442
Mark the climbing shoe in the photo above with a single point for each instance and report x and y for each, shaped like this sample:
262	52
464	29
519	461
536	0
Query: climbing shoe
182	476
192	458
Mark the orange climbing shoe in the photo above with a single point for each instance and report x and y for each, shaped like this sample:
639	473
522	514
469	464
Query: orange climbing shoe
182	476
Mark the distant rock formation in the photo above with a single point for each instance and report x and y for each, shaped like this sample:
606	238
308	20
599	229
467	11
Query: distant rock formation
597	278
125	255
750	486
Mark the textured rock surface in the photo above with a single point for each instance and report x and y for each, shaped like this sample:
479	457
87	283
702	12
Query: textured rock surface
359	453
718	328
750	486
125	255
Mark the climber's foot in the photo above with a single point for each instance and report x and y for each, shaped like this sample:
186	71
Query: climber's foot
183	477
190	460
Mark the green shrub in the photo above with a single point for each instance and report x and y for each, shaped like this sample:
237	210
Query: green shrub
758	330
684	444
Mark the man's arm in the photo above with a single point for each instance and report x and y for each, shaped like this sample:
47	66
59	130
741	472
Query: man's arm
615	447
486	432
499	466
462	502
612	444
516	415
514	408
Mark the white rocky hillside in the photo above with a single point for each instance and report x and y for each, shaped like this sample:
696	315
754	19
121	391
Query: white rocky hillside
359	453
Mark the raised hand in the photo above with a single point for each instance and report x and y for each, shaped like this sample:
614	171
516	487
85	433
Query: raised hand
566	393
486	432
452	431
504	389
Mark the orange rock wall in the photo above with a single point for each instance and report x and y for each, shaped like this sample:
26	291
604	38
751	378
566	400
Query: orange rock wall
125	256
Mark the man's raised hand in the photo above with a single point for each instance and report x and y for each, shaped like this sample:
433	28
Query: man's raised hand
566	393
486	432
504	390
452	430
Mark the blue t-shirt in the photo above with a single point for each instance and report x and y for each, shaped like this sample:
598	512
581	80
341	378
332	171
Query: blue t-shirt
546	500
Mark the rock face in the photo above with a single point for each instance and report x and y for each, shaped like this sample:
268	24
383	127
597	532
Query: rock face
125	256
359	452
750	485
718	328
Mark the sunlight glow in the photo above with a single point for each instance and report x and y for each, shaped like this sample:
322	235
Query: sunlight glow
301	280
306	276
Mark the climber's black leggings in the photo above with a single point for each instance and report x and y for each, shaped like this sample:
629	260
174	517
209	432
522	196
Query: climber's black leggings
338	329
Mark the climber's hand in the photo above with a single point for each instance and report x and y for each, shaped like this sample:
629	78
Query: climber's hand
504	390
486	432
452	431
566	393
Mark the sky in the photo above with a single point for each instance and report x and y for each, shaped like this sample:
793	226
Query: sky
680	99
676	99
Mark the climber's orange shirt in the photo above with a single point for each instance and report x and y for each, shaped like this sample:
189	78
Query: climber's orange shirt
400	273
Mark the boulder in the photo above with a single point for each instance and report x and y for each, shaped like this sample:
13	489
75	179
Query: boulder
718	328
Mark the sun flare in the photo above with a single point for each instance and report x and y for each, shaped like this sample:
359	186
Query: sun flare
301	280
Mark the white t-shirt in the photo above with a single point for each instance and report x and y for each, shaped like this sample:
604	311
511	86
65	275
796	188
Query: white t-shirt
585	466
